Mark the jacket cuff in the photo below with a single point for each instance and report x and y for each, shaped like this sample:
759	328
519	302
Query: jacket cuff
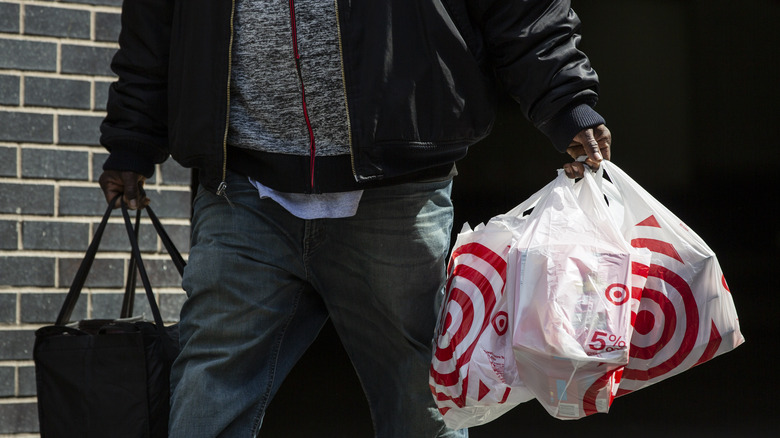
124	161
562	128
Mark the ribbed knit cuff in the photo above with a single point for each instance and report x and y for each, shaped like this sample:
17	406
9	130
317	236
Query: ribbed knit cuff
126	161
562	128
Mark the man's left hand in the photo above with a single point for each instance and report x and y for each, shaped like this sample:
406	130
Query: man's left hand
593	142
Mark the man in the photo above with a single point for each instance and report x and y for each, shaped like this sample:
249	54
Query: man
325	135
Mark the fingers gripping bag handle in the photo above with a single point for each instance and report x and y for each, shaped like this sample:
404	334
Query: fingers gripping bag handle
570	284
686	314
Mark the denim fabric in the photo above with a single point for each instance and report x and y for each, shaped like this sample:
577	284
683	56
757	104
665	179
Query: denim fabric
261	283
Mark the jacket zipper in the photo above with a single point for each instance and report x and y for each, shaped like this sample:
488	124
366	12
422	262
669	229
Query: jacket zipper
222	188
297	55
344	85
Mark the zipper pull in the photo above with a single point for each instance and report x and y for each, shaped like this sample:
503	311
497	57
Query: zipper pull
222	191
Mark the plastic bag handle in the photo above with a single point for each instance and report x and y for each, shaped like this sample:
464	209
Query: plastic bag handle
598	174
533	199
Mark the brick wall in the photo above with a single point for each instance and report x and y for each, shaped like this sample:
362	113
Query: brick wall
54	77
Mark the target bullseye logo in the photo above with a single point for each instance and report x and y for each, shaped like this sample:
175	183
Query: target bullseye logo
617	293
476	280
500	322
667	322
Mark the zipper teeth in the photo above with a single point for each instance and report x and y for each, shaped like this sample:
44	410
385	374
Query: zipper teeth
344	85
297	55
227	109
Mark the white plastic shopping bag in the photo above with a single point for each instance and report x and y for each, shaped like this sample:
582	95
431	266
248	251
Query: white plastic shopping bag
573	282
594	299
686	315
473	376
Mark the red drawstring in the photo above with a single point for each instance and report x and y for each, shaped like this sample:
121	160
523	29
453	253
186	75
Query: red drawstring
312	146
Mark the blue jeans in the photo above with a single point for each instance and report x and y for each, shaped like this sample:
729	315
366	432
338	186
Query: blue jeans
261	283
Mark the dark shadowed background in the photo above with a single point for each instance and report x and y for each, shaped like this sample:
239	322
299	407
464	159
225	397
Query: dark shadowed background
690	91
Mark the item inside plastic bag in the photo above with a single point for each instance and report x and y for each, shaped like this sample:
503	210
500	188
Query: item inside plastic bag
573	284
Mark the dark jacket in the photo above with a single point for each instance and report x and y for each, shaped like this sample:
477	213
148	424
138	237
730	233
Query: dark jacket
417	76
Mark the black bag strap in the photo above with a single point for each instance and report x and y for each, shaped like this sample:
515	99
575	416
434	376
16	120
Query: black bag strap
142	270
81	275
128	300
169	347
135	263
178	260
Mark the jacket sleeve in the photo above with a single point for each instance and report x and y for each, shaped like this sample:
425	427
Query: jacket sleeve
533	49
135	128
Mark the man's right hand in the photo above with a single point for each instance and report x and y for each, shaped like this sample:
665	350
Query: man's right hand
129	184
595	143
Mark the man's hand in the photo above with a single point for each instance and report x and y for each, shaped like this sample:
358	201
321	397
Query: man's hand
128	184
593	142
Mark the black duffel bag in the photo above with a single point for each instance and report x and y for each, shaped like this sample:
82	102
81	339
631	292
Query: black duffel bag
107	378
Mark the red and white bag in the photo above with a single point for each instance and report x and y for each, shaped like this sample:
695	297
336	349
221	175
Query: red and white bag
565	289
573	283
473	376
686	315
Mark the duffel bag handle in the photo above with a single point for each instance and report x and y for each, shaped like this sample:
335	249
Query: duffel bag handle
86	264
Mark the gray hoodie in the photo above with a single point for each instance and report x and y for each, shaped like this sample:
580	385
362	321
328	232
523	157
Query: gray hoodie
267	98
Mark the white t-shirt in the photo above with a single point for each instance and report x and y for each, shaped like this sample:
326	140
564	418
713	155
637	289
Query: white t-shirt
313	206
